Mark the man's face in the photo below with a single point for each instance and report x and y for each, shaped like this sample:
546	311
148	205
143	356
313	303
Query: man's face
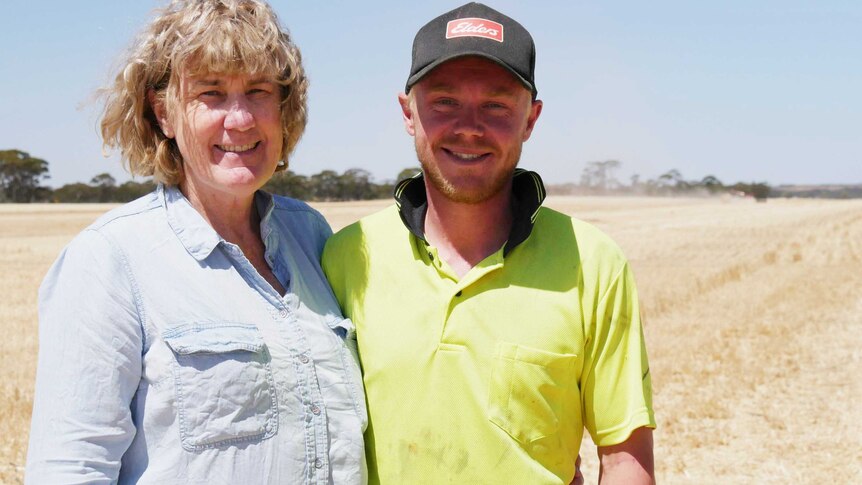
469	118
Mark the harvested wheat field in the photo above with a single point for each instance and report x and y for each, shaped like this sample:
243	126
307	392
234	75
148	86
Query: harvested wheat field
752	312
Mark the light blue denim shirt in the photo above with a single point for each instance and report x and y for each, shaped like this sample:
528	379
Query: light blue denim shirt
165	357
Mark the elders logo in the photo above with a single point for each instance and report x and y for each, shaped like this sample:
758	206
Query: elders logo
473	27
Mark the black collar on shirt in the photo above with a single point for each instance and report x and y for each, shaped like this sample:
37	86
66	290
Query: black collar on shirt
528	192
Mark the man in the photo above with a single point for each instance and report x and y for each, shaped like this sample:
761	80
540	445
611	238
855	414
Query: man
491	330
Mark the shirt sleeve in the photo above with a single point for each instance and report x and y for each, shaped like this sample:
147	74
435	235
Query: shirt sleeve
89	366
616	384
325	232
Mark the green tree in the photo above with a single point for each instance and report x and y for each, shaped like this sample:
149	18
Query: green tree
21	176
106	186
129	191
712	184
672	181
326	185
759	190
671	178
77	192
600	175
291	185
356	184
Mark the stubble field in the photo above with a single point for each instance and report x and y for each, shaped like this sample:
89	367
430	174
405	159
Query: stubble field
752	313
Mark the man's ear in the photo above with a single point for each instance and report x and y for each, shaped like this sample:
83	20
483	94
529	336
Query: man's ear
407	114
161	113
535	111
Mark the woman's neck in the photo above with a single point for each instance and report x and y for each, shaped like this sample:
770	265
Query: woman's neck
232	216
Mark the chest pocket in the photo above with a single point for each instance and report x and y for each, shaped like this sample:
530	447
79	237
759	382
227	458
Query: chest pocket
528	391
224	387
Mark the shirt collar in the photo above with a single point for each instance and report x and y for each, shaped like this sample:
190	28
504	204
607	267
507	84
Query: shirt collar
193	231
264	203
528	193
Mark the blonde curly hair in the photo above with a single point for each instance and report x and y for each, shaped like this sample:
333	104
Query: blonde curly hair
196	37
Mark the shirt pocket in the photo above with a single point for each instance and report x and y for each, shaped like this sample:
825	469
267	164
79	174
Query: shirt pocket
528	390
225	393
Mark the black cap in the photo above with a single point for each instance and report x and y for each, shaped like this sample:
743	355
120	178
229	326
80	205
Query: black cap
474	30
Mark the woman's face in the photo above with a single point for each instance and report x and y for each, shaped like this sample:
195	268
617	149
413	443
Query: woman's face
228	130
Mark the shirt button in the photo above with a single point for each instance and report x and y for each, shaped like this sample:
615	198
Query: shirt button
431	256
318	463
282	313
303	358
315	409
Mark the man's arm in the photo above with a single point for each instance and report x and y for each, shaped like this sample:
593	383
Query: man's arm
630	462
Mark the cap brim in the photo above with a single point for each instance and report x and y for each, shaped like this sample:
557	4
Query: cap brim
430	67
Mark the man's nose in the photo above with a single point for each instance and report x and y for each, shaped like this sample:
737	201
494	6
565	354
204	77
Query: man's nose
469	122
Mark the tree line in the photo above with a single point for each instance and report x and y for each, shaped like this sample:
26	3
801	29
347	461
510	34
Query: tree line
22	177
599	178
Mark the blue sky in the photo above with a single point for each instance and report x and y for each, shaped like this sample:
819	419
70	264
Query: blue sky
743	90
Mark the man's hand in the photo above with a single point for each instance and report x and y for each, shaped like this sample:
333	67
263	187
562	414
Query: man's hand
630	462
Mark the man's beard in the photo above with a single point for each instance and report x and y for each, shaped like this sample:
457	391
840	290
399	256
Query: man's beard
468	191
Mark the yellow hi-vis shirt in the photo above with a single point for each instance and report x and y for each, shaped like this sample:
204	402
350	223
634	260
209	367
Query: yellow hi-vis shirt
493	377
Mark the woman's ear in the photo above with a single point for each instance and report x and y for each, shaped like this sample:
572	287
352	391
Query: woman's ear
161	112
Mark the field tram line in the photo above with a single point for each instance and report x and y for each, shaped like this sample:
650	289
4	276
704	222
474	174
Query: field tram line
852	232
811	235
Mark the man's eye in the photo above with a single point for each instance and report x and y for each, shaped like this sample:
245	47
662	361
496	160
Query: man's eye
446	103
498	109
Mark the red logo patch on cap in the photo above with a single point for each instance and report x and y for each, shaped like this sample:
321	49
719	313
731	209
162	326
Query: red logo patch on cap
474	27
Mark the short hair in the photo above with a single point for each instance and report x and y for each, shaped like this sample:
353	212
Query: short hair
197	37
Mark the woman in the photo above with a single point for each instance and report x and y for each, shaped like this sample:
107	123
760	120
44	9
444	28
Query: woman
190	336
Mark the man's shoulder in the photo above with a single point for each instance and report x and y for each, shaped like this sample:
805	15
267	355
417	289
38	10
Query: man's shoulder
378	226
584	232
588	240
348	253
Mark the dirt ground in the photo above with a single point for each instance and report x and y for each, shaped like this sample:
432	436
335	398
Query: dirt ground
752	314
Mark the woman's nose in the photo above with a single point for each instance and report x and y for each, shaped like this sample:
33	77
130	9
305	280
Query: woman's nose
239	116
